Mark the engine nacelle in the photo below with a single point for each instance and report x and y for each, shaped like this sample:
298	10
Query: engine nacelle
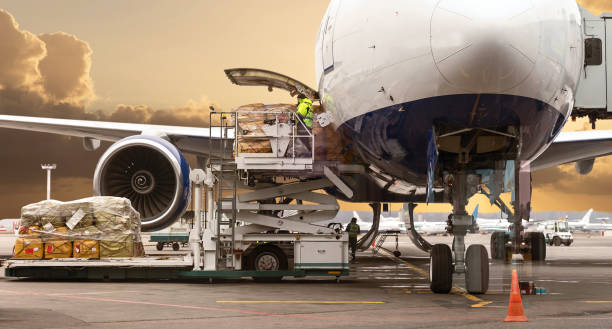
149	171
585	167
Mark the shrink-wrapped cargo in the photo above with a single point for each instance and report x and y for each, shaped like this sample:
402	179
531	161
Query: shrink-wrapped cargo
251	120
86	249
58	249
120	246
28	248
101	227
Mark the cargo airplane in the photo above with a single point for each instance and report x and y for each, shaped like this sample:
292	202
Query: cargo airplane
433	98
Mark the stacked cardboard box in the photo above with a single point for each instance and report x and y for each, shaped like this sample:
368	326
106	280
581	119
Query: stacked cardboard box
97	227
251	119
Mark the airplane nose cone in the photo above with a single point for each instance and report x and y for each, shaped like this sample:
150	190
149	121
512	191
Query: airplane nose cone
485	46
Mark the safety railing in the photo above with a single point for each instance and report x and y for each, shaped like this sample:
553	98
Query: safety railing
272	134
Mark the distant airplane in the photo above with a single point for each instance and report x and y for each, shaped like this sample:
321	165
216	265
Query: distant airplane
585	224
485	225
387	225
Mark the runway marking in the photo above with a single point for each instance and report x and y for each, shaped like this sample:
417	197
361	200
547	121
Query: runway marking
460	291
296	302
92	293
256	313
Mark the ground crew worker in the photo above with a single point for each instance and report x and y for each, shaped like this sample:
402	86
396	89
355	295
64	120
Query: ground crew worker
305	111
306	115
353	230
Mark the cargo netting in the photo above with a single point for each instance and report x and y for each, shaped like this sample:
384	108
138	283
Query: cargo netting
96	227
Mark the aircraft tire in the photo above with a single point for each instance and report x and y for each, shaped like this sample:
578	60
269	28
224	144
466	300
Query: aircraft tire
538	246
441	269
477	269
498	246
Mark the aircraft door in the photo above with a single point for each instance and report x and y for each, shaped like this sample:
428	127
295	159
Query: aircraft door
592	90
328	36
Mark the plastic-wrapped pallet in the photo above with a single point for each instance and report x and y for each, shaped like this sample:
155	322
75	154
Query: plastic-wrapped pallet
89	228
251	119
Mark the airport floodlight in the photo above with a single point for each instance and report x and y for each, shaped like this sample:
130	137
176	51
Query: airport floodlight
48	168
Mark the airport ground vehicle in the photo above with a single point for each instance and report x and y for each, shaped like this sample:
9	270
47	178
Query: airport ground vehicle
176	235
173	239
558	233
265	234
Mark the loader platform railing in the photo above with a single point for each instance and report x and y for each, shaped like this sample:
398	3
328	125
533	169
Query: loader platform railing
268	140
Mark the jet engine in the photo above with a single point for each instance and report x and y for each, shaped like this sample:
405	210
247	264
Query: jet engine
585	167
149	171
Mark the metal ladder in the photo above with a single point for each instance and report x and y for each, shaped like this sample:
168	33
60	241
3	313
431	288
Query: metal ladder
224	168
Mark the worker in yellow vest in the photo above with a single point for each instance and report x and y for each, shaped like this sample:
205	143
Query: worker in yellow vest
353	230
306	115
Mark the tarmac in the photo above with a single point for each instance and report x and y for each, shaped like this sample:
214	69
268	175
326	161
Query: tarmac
381	292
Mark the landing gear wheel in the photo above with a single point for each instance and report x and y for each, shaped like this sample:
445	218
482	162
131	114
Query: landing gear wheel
268	258
159	246
441	269
477	269
176	246
538	245
556	241
498	246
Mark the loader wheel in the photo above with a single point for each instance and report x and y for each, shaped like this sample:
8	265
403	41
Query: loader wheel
556	241
441	269
159	246
268	258
176	246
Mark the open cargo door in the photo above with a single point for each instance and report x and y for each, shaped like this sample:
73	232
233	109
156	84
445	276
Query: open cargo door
257	77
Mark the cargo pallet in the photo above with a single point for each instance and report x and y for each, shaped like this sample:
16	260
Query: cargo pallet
139	268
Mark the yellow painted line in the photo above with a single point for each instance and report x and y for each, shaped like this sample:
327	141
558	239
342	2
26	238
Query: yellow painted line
479	302
297	302
598	301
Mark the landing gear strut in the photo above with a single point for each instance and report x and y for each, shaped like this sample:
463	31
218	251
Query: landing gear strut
473	263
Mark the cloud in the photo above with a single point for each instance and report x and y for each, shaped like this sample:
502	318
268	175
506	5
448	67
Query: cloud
65	69
49	76
597	6
21	51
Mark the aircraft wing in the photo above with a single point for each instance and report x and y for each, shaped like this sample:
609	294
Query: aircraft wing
570	147
192	140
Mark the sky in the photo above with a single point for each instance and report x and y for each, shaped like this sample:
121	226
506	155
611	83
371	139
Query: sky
162	62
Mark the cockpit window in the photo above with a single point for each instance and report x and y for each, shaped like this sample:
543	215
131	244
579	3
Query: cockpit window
593	51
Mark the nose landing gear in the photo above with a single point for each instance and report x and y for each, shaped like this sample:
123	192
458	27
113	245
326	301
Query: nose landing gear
474	263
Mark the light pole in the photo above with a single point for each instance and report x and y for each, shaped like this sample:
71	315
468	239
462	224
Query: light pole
48	168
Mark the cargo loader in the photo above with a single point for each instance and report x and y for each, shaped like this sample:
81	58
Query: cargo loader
255	214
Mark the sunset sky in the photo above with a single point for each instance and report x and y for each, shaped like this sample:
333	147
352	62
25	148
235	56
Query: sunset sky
162	62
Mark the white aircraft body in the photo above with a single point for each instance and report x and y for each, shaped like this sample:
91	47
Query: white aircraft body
10	226
585	224
387	225
427	95
430	228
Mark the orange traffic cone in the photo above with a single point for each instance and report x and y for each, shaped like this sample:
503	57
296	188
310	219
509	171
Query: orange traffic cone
515	308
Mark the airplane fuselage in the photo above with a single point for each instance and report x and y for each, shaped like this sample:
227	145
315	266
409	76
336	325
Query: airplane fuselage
391	72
